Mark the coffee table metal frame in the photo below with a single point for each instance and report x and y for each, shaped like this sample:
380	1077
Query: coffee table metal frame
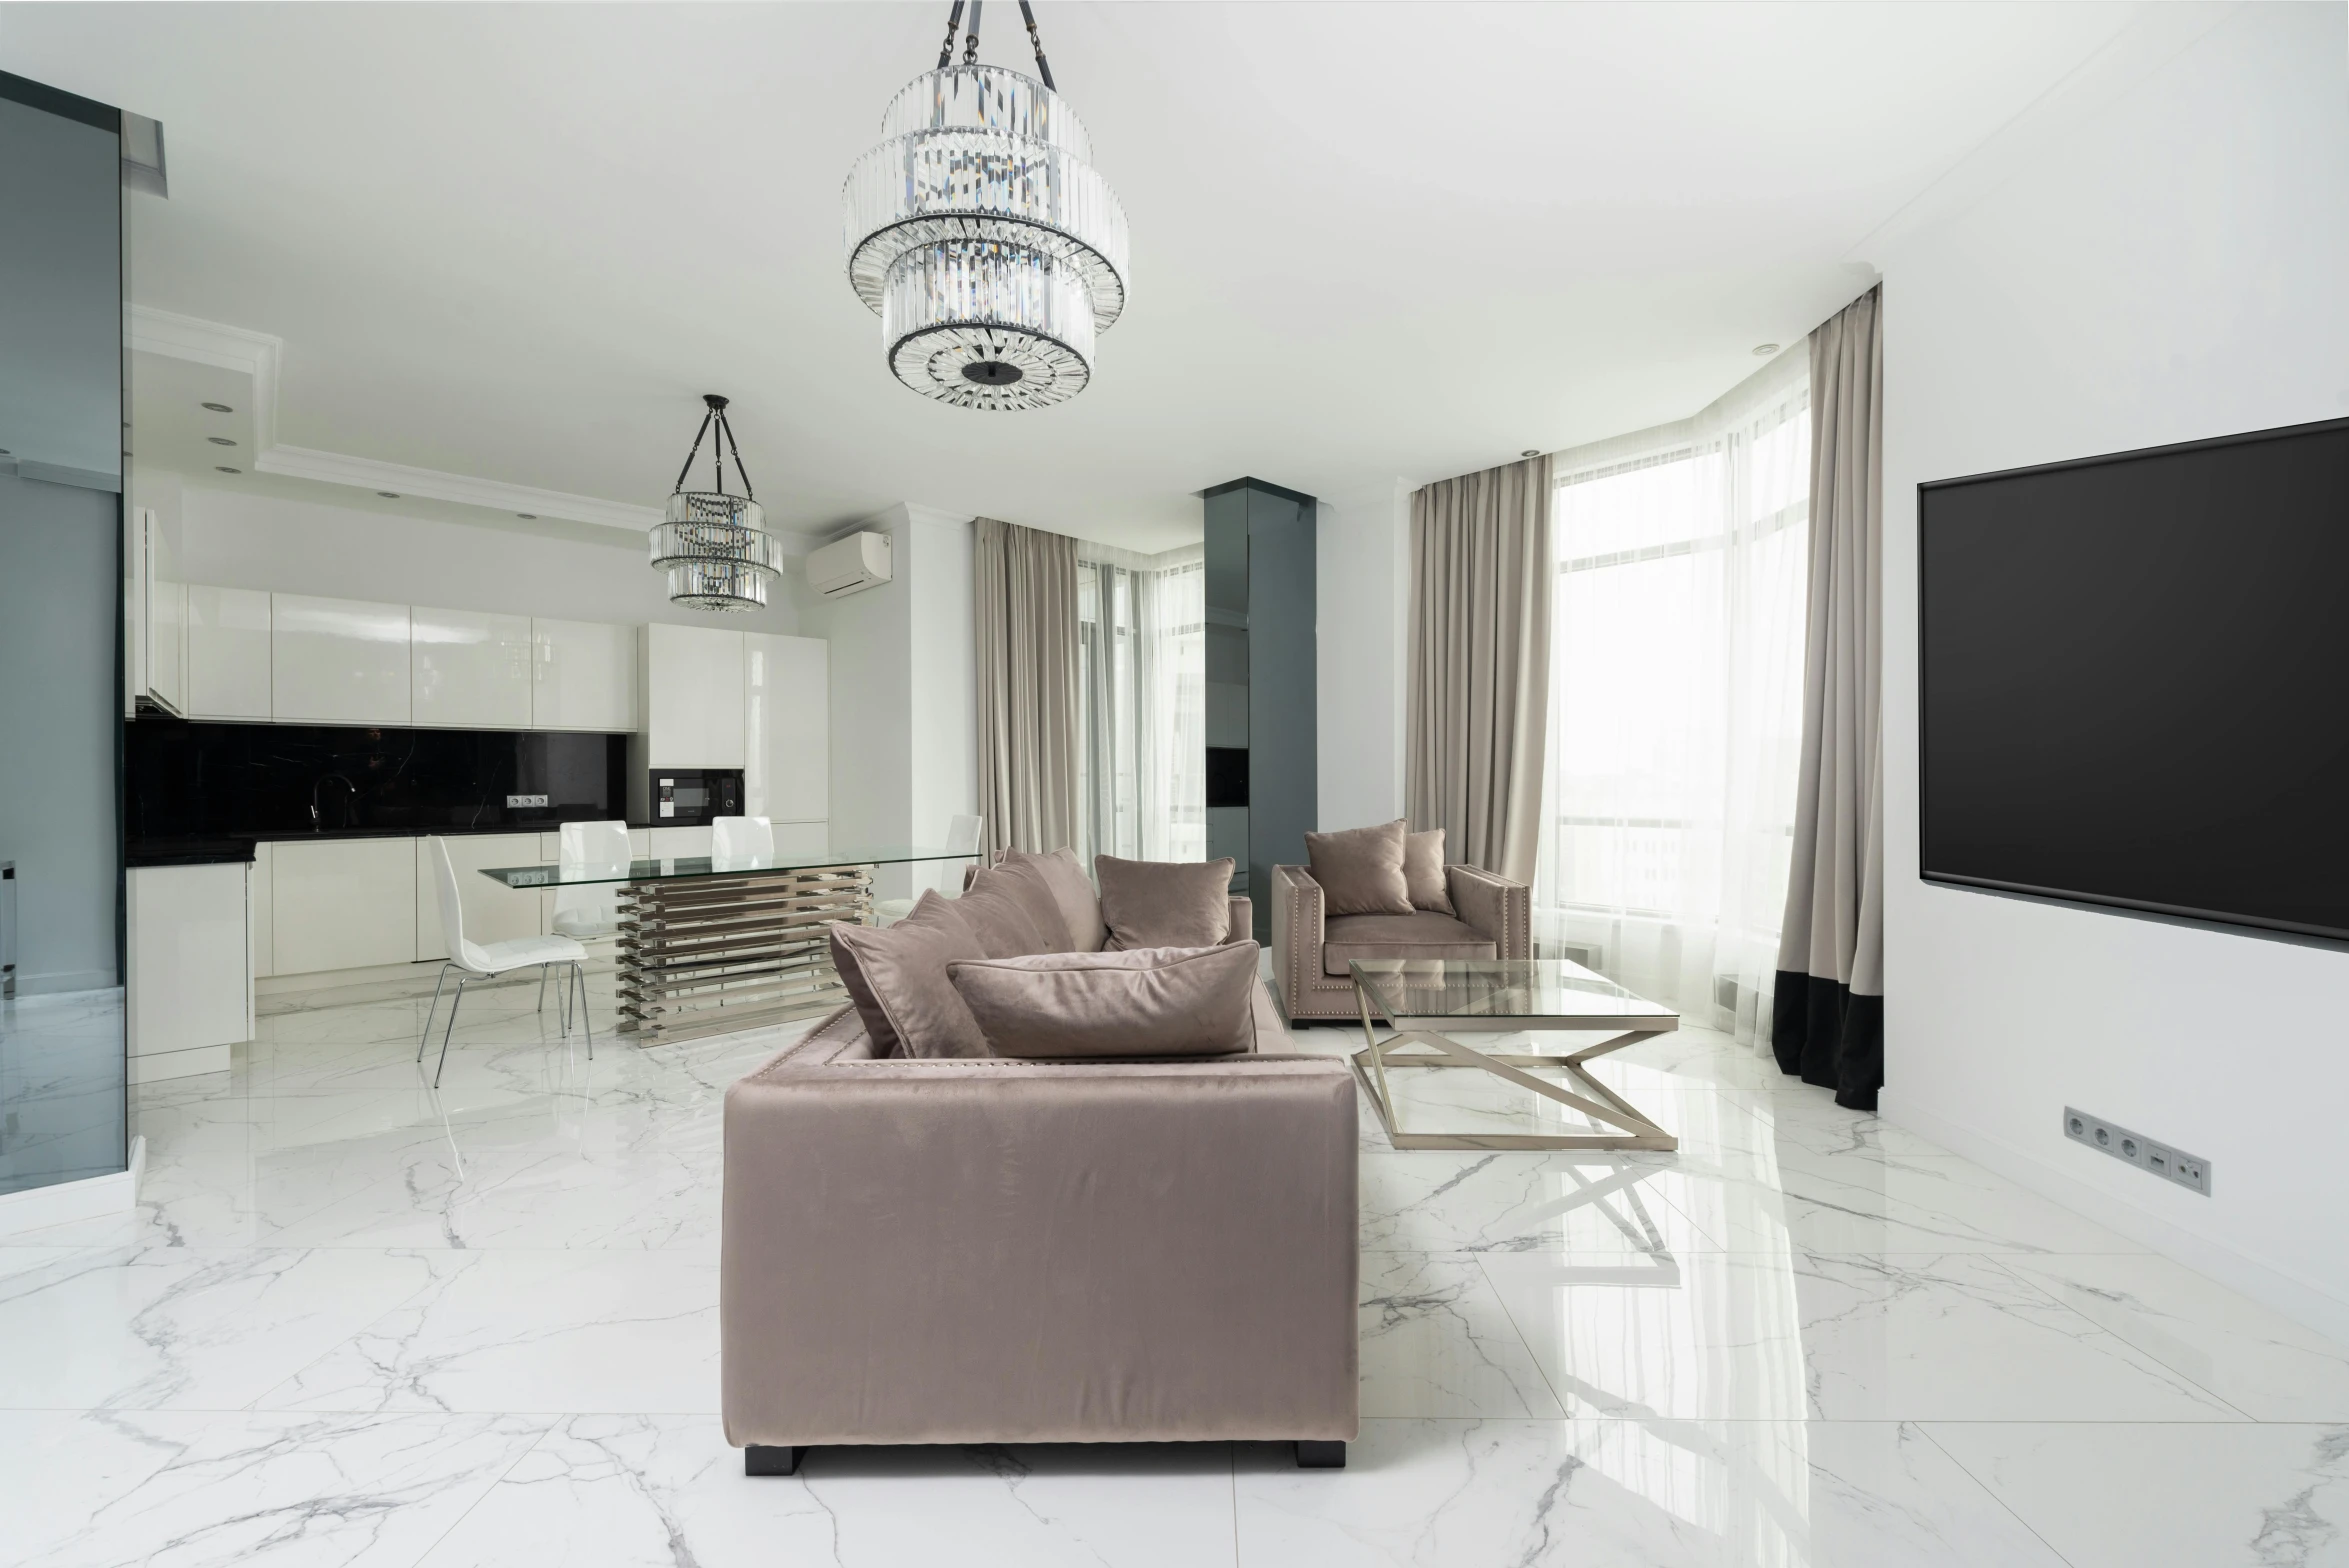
1599	1102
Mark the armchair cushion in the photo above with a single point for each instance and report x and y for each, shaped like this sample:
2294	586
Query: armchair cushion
1361	870
1147	1002
1160	903
1423	871
1420	934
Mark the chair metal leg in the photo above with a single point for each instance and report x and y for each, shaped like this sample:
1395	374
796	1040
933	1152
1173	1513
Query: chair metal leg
579	972
542	969
425	1038
455	1002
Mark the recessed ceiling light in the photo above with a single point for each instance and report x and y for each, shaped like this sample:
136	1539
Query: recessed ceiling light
1531	451
528	517
389	495
220	441
220	408
223	468
1764	350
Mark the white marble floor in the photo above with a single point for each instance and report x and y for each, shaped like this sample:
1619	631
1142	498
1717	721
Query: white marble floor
359	1321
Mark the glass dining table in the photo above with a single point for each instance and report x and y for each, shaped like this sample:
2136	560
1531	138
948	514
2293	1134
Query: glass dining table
708	945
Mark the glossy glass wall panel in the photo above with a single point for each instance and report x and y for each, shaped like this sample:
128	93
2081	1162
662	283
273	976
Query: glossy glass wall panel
62	1115
1262	771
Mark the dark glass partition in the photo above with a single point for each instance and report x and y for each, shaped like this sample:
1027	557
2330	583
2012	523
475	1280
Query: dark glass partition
62	1064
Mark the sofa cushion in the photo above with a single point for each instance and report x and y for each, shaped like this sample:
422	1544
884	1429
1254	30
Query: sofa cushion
1063	876
1142	1002
1423	871
896	977
1421	934
1361	870
1011	912
1165	903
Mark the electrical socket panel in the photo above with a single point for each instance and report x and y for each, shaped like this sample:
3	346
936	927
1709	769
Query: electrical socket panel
2150	1155
514	802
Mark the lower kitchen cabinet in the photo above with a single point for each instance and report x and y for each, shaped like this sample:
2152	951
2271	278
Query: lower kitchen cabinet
190	995
492	913
342	903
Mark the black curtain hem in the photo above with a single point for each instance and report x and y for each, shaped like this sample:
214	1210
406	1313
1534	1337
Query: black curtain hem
1830	1038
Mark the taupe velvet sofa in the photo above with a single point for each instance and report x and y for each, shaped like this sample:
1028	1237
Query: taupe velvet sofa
1310	951
997	1250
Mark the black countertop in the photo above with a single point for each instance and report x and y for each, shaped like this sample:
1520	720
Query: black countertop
216	849
190	852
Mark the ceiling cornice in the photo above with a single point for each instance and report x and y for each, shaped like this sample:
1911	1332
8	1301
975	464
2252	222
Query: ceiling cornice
257	354
364	473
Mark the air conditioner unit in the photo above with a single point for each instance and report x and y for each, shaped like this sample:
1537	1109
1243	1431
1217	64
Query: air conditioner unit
850	565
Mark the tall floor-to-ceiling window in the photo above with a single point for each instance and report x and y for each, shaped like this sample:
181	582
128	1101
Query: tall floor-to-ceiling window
1142	770
1676	701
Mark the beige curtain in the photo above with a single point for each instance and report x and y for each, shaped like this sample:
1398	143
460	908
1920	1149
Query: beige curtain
1828	1021
1025	615
1479	693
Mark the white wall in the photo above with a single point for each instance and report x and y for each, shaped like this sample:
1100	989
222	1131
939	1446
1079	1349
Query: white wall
1362	579
234	539
2176	266
903	736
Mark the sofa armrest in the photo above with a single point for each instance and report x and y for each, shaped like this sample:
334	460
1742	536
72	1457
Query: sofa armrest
1296	935
1241	924
983	1250
1498	908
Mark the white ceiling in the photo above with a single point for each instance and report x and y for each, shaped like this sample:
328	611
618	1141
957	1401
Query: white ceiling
514	242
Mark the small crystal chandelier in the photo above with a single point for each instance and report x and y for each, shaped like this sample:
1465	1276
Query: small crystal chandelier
980	234
715	545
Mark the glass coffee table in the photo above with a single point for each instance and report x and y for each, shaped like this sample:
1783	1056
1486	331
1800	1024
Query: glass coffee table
1419	998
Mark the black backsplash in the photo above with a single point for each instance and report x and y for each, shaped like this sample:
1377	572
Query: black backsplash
192	780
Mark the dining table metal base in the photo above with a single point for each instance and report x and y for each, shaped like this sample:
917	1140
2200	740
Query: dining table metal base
715	954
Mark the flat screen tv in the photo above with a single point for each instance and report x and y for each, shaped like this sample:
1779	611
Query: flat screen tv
2135	680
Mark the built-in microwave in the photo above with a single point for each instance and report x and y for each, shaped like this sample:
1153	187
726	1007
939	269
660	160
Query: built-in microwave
693	797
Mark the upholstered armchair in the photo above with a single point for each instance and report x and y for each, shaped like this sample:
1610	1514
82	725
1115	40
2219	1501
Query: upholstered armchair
1493	918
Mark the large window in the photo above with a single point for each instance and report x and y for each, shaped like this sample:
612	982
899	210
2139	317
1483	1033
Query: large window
1142	746
1676	701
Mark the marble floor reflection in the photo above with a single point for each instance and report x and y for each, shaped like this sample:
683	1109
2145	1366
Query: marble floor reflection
358	1320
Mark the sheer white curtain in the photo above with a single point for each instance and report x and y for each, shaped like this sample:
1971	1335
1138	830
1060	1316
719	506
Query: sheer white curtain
1676	701
1142	786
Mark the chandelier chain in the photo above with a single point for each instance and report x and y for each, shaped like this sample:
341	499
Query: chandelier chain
706	417
1036	42
946	49
970	42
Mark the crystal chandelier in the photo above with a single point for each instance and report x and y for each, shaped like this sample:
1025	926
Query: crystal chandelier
715	545
980	234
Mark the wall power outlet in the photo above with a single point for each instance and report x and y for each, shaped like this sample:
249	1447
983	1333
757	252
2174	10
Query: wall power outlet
513	801
2154	1158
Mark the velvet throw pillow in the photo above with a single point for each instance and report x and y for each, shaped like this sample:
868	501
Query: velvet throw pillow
1361	870
1152	1001
1011	912
896	978
1165	903
1423	871
1072	893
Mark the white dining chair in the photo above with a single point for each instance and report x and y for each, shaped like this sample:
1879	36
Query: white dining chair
962	837
588	912
487	960
741	843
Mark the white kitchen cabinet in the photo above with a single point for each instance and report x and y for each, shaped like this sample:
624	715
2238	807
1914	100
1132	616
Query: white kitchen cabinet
227	653
342	903
583	677
802	838
678	844
492	913
190	994
469	669
786	727
154	618
692	691
264	939
338	661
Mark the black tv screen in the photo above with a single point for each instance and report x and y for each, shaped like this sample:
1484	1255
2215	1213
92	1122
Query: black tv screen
2135	680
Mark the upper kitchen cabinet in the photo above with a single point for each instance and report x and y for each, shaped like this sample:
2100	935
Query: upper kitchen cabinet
469	669
154	618
691	688
786	727
584	677
338	661
228	653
